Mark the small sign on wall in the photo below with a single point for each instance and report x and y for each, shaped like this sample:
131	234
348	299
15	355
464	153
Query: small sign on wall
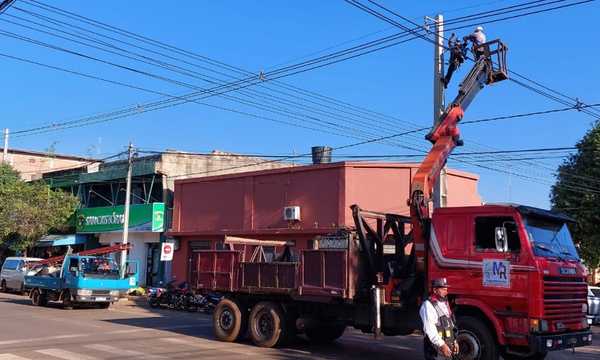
166	252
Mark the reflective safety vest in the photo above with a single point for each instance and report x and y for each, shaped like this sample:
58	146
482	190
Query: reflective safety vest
446	327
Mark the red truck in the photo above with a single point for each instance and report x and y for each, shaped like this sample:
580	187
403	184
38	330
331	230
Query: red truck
518	285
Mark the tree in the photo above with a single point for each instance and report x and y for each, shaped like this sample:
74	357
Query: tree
577	194
30	210
8	175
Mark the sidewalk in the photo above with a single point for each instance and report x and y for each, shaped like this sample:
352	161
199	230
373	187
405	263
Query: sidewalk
130	300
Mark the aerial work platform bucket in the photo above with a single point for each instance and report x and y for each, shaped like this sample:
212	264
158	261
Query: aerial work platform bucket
498	48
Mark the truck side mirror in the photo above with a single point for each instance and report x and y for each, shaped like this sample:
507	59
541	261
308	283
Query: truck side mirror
501	239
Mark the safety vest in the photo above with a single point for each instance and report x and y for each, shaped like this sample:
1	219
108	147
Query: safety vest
446	327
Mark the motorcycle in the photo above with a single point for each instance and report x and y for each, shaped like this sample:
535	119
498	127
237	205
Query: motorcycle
194	302
167	296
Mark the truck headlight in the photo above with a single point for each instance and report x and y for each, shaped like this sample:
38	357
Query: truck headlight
584	308
84	292
584	323
114	293
538	325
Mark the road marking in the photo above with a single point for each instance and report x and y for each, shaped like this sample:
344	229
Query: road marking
11	357
128	353
64	354
213	345
19	341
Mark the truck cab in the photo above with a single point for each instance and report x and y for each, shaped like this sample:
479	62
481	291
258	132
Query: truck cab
517	267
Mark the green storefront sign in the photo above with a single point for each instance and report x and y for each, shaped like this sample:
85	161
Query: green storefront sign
142	218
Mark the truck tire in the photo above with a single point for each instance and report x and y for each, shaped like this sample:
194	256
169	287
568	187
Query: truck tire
268	324
104	305
67	301
230	320
37	298
326	333
3	287
536	356
475	340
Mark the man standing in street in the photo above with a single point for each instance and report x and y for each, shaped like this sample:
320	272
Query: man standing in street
439	325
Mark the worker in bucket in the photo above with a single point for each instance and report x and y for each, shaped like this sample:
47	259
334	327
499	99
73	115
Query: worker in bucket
439	324
476	38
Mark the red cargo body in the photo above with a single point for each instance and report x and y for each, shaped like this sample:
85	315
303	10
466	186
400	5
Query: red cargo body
320	273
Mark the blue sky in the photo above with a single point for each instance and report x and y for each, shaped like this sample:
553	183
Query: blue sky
82	100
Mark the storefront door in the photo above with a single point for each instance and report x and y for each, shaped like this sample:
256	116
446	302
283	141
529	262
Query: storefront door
152	263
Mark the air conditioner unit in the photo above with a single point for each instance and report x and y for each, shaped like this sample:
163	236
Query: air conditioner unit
291	213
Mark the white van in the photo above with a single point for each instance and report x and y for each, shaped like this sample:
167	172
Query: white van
13	271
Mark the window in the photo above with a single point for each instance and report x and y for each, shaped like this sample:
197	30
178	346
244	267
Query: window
10	264
485	231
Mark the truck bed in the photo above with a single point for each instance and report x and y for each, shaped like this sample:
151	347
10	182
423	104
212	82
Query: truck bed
45	282
319	273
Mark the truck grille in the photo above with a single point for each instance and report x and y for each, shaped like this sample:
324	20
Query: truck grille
563	298
100	292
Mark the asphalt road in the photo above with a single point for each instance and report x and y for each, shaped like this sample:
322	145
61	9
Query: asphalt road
132	330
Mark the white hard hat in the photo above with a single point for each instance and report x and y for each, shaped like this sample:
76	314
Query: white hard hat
479	28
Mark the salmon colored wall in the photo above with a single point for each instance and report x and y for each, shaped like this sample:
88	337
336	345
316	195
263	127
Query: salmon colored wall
251	205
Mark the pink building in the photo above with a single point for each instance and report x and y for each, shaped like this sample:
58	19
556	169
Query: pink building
317	199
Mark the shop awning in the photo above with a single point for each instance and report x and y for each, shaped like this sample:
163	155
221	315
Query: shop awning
60	240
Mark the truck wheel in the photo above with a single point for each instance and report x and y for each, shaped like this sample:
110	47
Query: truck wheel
22	290
38	299
230	320
536	356
326	333
67	301
475	340
268	324
3	287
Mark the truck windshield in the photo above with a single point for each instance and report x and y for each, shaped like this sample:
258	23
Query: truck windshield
550	238
99	267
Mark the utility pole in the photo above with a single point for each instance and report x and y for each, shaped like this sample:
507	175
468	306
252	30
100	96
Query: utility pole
5	149
127	201
440	198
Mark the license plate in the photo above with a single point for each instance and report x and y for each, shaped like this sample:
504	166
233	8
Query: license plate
100	298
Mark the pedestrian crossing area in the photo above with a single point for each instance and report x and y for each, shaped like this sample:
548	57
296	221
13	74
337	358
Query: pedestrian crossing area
155	349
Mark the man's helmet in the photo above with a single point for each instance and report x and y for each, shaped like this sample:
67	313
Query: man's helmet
479	28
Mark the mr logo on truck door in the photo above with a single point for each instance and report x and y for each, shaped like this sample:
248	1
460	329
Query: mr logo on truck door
490	266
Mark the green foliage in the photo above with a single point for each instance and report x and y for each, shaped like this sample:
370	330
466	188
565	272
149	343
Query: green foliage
577	194
30	210
8	175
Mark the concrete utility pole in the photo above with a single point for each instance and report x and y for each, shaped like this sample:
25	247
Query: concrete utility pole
5	149
440	198
127	201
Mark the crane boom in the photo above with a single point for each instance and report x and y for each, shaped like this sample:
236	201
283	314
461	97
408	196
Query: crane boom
445	136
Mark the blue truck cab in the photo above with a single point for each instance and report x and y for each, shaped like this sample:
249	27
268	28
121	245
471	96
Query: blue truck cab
80	280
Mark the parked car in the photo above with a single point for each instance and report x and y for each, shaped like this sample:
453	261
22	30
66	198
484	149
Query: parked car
13	271
593	304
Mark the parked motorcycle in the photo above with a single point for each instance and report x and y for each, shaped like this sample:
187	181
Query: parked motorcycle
167	296
194	302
